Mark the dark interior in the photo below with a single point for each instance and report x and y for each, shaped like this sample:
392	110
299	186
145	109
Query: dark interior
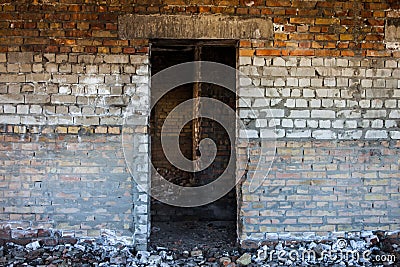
223	212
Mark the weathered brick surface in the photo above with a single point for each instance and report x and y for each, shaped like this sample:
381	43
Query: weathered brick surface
327	82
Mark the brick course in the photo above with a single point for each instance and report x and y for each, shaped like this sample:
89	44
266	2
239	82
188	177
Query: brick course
325	85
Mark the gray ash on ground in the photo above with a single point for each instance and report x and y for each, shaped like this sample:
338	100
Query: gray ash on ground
383	250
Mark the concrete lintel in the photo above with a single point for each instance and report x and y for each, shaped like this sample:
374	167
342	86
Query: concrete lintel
135	26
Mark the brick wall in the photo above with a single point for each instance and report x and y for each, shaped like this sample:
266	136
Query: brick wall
329	74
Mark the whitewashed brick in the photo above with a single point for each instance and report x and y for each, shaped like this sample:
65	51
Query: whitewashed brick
339	103
377	124
324	124
324	134
338	124
251	92
245	61
275	101
9	109
315	103
245	81
394	114
304	82
351	103
350	124
274	113
395	135
9	119
305	62
275	71
287	123
300	123
391	83
349	114
327	103
366	83
329	81
274	123
259	61
376	134
396	73
342	81
278	61
302	72
272	92
291	62
328	92
390	123
380	83
272	133
248	114
312	123
299	114
322	113
256	81
391	63
316	62
248	134
316	82
23	109
376	103
342	62
375	114
295	93
267	82
301	103
308	93
330	62
365	103
285	92
292	81
116	59
279	82
350	134
290	103
298	133
261	102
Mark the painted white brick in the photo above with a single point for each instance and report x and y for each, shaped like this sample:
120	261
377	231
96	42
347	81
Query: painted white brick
244	61
251	92
315	103
267	82
312	123
275	101
248	134
330	62
391	83
350	124
304	82
308	93
366	83
324	134
292	81
365	123
298	133
391	63
291	62
248	114
365	103
339	103
376	134
272	92
299	114
274	113
342	81
375	114
396	73
278	61
394	114
351	103
302	72
395	134
290	103
349	114
279	82
390	123
376	103
327	103
272	134
328	92
9	108
329	81
287	123
261	102
259	61
305	62
300	123
322	114
338	124
274	122
245	81
301	103
342	62
295	93
351	134
256	81
380	83
377	124
316	62
325	124
244	102
285	92
275	71
316	82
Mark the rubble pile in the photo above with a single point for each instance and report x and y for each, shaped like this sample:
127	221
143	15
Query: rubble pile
366	249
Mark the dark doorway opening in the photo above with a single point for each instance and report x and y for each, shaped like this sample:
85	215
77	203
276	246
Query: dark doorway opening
213	224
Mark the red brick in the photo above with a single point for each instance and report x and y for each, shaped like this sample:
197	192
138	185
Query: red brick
301	52
268	52
278	3
309	21
246	52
